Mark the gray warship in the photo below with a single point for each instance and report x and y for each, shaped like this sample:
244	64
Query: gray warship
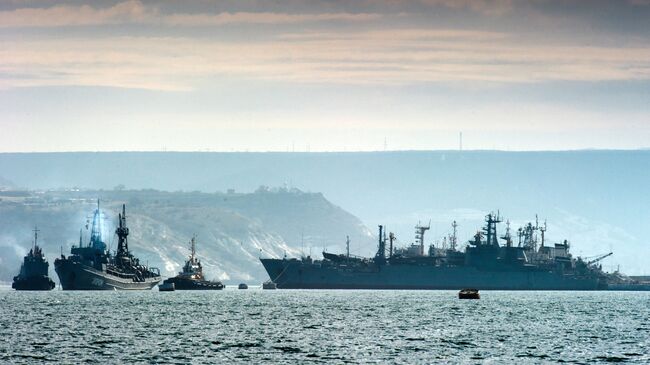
93	267
34	270
191	278
484	264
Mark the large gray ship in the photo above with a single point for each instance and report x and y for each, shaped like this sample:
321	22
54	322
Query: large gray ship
93	267
484	264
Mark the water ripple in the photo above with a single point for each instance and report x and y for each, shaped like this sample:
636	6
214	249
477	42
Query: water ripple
324	327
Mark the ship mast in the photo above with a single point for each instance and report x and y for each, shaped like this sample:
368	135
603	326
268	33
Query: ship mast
36	230
508	236
453	238
96	240
491	228
122	232
419	235
380	257
193	248
347	246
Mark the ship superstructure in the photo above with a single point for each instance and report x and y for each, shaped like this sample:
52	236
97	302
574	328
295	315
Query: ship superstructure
93	267
530	264
34	270
191	278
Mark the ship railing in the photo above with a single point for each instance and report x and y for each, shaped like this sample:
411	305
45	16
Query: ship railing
120	274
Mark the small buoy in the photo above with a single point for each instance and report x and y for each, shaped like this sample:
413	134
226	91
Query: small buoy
243	286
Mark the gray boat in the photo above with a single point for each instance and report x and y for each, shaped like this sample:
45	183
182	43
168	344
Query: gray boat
485	264
191	278
93	267
34	270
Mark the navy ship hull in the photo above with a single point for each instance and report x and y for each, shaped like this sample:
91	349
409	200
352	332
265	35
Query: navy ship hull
76	276
188	284
33	283
294	274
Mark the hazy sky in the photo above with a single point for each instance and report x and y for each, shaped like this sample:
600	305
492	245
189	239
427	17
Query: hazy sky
324	75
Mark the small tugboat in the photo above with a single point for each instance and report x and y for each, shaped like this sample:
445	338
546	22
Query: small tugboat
469	294
191	278
242	286
269	285
33	272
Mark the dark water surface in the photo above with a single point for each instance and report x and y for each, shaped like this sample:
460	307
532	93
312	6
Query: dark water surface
256	326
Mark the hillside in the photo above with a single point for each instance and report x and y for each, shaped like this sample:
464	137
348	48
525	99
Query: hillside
597	199
233	230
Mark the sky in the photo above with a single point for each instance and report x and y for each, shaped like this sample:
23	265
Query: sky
317	75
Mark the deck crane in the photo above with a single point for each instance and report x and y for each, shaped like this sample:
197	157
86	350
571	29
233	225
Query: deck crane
601	257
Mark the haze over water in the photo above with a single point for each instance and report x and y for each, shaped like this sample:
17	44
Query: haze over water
255	326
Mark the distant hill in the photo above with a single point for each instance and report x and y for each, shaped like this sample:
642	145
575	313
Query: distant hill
597	199
232	230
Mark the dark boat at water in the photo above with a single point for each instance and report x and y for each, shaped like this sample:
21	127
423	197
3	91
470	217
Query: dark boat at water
191	278
469	294
269	285
34	270
93	267
484	264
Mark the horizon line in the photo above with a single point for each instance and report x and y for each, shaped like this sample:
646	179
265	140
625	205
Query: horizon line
206	151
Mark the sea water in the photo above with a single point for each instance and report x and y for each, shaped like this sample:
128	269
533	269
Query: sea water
291	326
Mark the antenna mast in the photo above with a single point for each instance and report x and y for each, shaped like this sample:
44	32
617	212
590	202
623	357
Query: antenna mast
542	230
122	232
491	228
508	236
380	257
193	247
453	239
36	230
419	235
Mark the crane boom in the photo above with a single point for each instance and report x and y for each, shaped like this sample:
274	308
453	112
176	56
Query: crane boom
601	257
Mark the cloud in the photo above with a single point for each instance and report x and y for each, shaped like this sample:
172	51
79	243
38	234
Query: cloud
134	11
398	56
484	7
65	15
488	7
261	18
